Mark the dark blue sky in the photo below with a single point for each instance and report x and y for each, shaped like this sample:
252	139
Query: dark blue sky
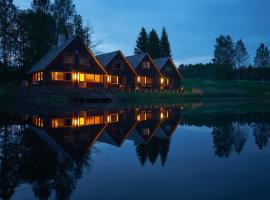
192	25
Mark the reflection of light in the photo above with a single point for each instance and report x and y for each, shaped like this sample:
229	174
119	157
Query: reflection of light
161	115
81	121
138	117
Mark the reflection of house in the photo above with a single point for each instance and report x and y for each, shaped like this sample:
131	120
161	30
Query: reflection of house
172	77
122	75
148	120
149	75
71	64
169	124
116	133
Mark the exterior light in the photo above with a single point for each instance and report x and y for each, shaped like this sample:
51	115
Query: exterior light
162	80
138	79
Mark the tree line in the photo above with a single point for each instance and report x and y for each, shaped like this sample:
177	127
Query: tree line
27	35
231	62
152	44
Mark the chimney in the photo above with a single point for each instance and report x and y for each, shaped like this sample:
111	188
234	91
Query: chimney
61	39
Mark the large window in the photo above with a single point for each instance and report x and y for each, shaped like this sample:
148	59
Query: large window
98	78
114	80
61	76
69	58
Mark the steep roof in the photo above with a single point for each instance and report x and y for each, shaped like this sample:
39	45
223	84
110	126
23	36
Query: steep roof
106	58
135	59
161	62
53	53
50	56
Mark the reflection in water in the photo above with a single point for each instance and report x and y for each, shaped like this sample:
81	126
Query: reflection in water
50	151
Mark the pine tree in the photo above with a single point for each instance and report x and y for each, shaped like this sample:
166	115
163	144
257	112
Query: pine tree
165	48
153	44
141	42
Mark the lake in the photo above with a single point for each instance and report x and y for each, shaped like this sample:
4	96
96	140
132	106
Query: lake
196	150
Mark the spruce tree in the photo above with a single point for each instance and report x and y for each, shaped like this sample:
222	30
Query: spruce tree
141	42
153	44
165	48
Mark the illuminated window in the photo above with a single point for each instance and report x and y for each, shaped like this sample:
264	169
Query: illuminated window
58	76
84	60
69	58
81	121
90	78
37	121
112	118
146	65
114	79
98	78
98	120
37	76
82	77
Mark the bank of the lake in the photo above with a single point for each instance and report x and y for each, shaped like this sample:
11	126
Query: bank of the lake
207	89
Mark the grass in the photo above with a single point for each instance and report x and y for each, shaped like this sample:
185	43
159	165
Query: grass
195	89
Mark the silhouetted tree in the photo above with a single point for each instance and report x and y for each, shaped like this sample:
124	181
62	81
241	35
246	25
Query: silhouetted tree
262	59
165	48
81	30
63	12
153	44
224	55
240	54
37	35
41	5
8	13
164	150
141	151
141	42
261	132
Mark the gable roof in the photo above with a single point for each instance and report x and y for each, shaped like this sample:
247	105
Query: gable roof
50	56
106	58
135	60
54	52
161	62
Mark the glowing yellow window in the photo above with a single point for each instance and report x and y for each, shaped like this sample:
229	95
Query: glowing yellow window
82	77
90	78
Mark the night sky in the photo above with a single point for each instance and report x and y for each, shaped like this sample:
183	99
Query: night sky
192	25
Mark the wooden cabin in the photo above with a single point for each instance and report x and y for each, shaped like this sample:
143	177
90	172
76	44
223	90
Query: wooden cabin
69	64
149	76
172	77
122	75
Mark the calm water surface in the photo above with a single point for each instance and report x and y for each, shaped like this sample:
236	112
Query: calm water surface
157	152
